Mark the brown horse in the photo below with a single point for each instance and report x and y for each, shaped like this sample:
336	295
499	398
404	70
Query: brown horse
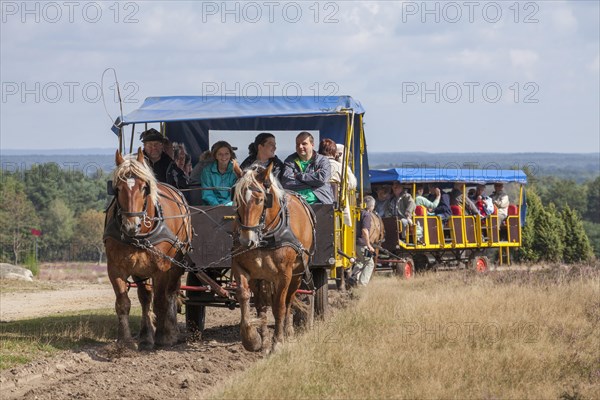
147	227
276	238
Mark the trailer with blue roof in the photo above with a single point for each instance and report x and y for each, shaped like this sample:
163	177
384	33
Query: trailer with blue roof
462	239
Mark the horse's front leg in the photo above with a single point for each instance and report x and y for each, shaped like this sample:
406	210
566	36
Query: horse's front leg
289	301
166	289
146	339
250	337
279	308
122	306
262	291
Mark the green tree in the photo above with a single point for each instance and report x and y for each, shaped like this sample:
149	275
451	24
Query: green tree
535	209
543	234
550	234
577	245
90	228
593	201
592	231
58	226
18	217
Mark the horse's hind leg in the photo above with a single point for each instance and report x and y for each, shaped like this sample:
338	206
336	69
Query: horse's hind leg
165	307
146	339
250	337
122	306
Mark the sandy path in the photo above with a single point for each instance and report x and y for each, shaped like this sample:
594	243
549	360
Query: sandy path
75	297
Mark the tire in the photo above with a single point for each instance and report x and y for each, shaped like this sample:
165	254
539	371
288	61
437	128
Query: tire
304	319
481	264
321	281
195	315
421	262
406	269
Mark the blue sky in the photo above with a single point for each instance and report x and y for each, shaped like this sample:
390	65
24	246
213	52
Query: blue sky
433	76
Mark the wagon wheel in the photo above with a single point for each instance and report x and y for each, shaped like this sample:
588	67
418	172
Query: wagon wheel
304	311
421	262
321	281
195	315
406	268
481	264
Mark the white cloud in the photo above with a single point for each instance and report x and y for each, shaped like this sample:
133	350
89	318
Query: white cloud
563	19
526	59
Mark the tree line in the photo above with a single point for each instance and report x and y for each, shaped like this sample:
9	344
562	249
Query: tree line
563	220
52	214
66	207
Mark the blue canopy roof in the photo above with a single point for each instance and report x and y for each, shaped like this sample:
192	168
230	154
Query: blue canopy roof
416	175
198	108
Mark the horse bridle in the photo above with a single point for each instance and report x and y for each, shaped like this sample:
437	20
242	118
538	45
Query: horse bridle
268	203
142	214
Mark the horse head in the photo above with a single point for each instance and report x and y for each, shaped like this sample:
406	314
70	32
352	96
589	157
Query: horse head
256	196
135	190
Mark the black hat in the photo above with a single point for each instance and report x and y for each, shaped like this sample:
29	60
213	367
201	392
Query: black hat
152	135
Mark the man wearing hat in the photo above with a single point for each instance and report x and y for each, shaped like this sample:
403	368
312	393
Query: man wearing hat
163	166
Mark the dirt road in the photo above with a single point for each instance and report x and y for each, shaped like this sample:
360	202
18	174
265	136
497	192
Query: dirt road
72	297
188	371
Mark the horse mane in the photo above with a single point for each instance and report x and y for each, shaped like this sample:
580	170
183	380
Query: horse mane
249	180
132	167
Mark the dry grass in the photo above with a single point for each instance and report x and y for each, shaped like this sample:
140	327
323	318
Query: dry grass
447	335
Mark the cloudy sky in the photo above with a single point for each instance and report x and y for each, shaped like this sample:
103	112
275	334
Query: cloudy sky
432	76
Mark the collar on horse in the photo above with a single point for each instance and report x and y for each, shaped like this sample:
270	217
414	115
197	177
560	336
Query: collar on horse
281	234
158	234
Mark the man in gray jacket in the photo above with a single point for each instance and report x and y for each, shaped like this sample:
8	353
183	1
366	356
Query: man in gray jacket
308	172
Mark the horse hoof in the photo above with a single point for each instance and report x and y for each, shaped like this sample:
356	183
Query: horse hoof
252	345
146	346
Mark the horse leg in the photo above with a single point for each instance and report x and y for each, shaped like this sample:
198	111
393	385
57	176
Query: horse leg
261	291
146	339
122	307
165	307
289	301
279	308
250	337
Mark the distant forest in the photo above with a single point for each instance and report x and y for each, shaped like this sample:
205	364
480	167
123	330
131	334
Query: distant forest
576	167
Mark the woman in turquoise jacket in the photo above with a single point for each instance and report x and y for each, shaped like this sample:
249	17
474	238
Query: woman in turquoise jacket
221	173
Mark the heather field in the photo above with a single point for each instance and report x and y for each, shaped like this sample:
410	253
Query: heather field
503	335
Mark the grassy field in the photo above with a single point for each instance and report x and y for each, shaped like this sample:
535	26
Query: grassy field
27	340
509	335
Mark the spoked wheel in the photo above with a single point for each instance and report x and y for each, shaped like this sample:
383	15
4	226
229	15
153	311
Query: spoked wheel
406	268
481	264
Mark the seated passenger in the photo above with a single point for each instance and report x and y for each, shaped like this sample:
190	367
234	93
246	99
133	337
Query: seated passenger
500	199
443	209
262	152
402	206
423	201
333	152
484	203
204	160
457	197
221	175
383	193
307	172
